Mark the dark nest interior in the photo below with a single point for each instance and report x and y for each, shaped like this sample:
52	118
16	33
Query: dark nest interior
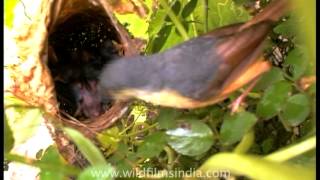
79	47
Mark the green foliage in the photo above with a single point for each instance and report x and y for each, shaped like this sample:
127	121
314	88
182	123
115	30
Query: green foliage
271	137
87	148
52	156
51	164
273	99
8	138
269	78
97	172
235	126
191	138
295	61
152	145
109	139
296	109
188	20
166	118
135	25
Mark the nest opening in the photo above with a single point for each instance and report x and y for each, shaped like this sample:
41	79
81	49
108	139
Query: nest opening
80	45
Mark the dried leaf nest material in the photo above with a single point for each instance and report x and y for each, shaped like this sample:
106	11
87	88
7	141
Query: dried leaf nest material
30	77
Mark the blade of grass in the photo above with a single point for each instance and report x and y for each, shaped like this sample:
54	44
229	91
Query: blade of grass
175	20
245	142
255	167
293	151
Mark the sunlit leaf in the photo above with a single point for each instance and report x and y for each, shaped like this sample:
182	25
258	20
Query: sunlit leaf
192	138
135	24
22	119
156	22
220	13
109	139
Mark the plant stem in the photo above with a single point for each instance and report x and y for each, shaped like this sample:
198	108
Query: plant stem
195	32
141	131
171	156
206	15
175	20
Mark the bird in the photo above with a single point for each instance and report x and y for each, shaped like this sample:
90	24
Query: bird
199	72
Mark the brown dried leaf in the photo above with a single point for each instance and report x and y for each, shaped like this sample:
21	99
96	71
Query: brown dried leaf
130	6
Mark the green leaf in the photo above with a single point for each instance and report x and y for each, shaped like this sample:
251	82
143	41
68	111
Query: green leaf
267	145
297	62
192	138
296	109
123	160
269	78
8	136
235	126
176	7
174	38
109	139
156	22
52	164
157	42
97	172
260	168
288	27
220	13
163	34
52	157
86	147
189	8
152	145
166	118
136	25
273	99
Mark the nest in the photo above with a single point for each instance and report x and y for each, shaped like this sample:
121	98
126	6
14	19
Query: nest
54	44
